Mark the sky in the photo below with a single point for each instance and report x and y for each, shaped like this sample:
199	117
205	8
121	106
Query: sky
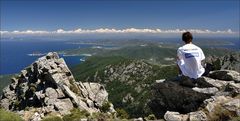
68	16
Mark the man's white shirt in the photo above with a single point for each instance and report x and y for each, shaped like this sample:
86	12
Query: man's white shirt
189	60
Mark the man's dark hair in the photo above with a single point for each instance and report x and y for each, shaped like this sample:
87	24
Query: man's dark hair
187	37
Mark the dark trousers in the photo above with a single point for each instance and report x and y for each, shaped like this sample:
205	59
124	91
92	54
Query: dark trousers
208	68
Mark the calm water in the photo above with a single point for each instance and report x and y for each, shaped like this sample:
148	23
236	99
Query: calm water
14	53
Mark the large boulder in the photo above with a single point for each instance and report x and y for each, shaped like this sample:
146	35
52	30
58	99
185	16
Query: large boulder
233	105
209	90
175	116
227	75
49	86
171	96
192	116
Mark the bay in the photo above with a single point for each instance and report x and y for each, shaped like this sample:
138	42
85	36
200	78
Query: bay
14	54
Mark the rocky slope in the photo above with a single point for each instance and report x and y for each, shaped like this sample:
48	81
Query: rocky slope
215	98
48	86
128	81
230	62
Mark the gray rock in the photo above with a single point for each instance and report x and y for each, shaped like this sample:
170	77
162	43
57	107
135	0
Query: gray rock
71	94
227	75
210	106
48	109
175	116
217	83
192	116
197	116
96	93
36	117
84	119
49	101
5	103
210	90
138	119
9	94
160	81
60	93
40	95
111	109
232	105
51	93
64	106
234	87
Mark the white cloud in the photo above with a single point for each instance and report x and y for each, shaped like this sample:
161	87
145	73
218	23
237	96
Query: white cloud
24	32
107	30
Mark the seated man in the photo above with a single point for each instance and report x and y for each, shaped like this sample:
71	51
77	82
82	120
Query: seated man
189	58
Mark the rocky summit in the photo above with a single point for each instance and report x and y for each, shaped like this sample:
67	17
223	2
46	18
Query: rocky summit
48	86
215	97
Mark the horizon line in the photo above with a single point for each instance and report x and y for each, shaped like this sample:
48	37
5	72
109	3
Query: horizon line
113	30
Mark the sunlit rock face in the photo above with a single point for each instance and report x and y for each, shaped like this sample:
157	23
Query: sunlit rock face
49	86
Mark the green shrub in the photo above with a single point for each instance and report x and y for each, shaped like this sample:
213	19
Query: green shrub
75	89
9	116
105	107
33	87
101	117
76	114
121	113
52	118
151	117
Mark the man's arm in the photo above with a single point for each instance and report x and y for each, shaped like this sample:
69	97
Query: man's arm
179	57
203	63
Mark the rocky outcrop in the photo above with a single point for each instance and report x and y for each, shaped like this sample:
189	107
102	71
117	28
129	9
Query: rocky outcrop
227	75
192	116
49	86
217	99
170	95
229	62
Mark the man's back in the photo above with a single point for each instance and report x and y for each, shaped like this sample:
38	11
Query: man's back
190	57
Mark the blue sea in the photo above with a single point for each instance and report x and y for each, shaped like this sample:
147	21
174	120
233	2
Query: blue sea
14	54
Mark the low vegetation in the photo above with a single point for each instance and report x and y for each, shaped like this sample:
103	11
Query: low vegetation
53	118
9	116
105	107
76	114
122	114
